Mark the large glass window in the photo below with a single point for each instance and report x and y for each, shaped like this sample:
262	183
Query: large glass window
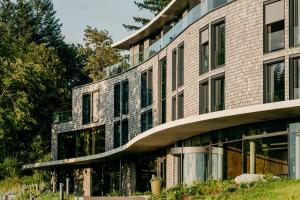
95	106
218	94
218	44
86	109
203	98
274	26
204	53
163	90
295	78
117	95
117	131
180	65
124	129
146	120
125	97
294	22
174	111
181	106
274	82
146	88
120	133
174	69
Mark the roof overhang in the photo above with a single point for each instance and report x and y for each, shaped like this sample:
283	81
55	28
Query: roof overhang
169	13
167	134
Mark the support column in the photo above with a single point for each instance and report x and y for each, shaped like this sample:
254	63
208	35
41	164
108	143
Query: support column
87	182
252	157
170	171
297	156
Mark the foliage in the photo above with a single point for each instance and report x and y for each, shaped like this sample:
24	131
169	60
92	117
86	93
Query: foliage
156	178
154	6
98	52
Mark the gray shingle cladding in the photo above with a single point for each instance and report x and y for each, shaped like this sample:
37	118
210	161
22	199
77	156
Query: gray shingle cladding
243	71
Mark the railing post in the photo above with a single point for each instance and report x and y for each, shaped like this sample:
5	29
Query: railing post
61	191
67	186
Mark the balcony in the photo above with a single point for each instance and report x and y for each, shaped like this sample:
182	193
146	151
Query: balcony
195	14
60	117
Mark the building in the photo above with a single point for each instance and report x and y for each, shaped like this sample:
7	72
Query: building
211	91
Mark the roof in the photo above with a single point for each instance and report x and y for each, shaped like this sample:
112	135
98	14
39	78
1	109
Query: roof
167	134
169	13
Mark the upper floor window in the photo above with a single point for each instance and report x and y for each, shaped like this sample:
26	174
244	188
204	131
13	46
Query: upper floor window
295	78
294	22
203	97
95	111
120	133
204	52
274	26
180	73
274	82
180	112
86	109
174	69
146	120
218	94
218	44
121	92
174	110
146	88
163	90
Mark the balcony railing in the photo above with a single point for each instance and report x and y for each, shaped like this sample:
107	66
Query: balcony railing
194	14
60	117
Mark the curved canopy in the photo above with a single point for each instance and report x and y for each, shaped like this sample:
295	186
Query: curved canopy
167	134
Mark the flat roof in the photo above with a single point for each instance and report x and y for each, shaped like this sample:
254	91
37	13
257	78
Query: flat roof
167	134
169	13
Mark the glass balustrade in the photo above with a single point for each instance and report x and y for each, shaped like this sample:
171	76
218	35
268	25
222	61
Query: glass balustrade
59	117
196	13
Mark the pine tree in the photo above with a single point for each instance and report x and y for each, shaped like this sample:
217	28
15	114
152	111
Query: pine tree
154	6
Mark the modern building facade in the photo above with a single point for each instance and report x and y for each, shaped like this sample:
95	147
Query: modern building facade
211	91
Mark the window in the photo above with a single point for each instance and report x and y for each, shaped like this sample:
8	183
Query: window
294	22
203	98
274	82
117	95
180	65
146	89
218	44
295	78
95	110
204	54
146	120
86	109
274	26
181	106
124	92
218	91
163	90
174	69
120	133
174	113
121	104
117	131
99	140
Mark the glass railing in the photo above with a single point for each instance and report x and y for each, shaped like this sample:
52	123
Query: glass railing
59	117
194	14
276	40
274	96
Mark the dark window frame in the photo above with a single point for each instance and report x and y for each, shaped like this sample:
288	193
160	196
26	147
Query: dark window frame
292	75
213	93
180	105
203	109
86	112
180	65
163	90
292	23
214	48
202	69
174	69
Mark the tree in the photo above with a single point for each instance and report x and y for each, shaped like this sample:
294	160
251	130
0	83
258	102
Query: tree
98	52
154	6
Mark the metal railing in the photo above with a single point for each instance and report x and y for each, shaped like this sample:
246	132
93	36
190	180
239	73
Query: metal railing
59	117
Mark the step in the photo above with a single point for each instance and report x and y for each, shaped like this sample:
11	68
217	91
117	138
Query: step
117	198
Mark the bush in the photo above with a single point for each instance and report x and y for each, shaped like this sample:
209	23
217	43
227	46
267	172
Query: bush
9	167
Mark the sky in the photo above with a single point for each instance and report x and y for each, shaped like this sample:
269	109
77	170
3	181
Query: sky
75	15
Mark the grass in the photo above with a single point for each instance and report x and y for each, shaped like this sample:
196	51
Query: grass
228	190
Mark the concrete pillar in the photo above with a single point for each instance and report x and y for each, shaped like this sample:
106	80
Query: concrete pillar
170	171
87	182
252	157
67	186
297	156
61	191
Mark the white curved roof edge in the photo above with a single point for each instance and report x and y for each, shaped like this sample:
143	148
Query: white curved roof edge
167	134
118	44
